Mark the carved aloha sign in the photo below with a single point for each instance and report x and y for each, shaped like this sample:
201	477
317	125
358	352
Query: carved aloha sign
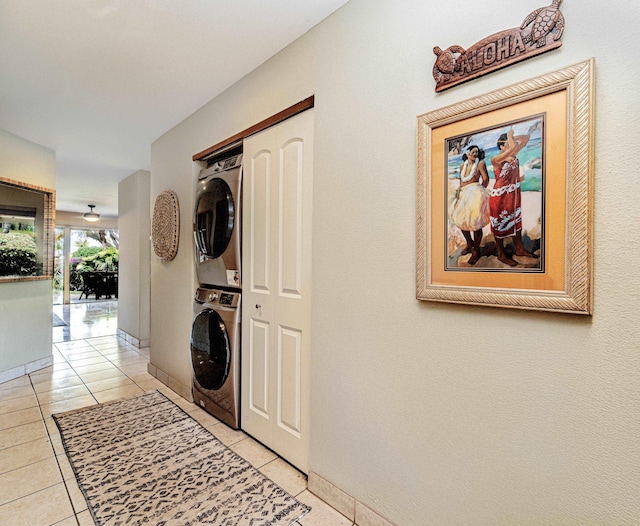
455	65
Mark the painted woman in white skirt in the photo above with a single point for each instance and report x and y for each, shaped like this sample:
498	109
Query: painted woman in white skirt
470	211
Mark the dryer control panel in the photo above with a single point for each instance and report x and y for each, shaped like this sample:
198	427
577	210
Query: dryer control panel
221	165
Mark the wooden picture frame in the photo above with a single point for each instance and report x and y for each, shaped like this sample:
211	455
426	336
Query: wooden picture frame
543	260
39	204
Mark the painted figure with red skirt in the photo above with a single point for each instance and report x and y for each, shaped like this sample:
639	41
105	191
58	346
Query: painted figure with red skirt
505	202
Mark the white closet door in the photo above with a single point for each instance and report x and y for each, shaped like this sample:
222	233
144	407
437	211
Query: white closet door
276	311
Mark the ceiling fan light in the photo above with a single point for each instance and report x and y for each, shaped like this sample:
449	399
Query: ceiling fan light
91	215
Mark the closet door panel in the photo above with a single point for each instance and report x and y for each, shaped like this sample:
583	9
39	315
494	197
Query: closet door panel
277	255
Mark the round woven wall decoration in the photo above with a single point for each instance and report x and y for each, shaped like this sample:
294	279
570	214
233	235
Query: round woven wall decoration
165	225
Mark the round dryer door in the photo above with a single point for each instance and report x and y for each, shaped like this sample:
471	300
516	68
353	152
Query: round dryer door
214	218
210	351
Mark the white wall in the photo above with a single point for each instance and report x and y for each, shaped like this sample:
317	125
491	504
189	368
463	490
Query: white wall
25	307
434	413
134	228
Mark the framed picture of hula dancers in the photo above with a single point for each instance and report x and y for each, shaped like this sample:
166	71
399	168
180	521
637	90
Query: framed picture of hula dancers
504	196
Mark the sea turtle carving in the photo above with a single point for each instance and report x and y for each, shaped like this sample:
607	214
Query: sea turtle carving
445	63
544	21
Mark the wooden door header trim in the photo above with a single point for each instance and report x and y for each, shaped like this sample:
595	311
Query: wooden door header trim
283	115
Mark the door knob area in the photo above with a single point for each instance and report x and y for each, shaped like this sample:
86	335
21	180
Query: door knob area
258	306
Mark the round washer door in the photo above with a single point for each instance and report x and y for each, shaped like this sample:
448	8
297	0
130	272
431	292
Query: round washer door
210	351
214	218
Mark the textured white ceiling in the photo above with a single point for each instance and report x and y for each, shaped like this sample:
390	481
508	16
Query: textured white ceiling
99	80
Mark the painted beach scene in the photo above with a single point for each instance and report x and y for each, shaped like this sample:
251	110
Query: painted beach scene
495	198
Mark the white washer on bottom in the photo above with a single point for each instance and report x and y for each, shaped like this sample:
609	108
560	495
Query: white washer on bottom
215	353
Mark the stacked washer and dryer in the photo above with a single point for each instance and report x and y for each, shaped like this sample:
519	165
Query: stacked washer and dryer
215	333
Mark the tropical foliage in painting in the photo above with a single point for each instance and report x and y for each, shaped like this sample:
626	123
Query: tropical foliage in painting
18	255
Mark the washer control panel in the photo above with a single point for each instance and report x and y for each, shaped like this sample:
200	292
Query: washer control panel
217	297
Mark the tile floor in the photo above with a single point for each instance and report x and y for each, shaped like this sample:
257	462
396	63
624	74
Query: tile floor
86	320
93	366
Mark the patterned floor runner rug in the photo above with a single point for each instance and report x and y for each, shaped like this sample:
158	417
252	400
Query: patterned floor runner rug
145	461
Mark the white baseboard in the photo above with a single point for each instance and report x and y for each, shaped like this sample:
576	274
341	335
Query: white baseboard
27	368
354	510
140	344
171	383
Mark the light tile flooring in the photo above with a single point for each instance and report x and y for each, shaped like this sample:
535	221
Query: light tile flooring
86	320
37	485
